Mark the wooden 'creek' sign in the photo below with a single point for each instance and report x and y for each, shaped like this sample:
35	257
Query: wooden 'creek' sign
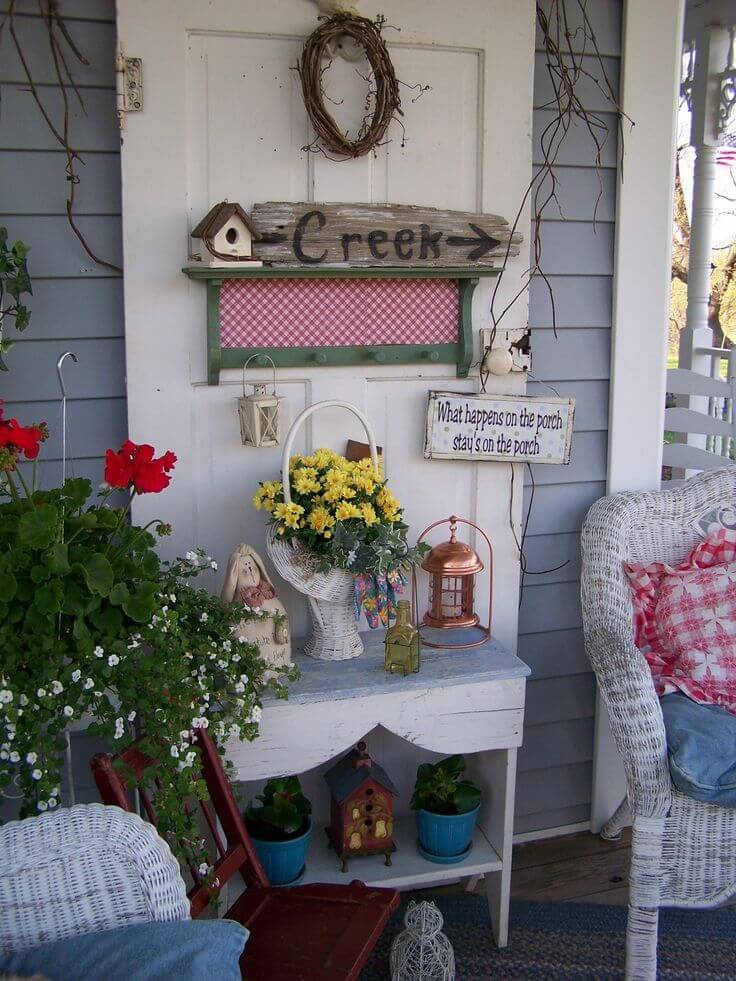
378	235
516	428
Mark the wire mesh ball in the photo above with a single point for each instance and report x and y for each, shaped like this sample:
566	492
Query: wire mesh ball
421	952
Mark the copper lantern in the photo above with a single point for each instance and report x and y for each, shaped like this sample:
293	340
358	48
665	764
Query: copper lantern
453	567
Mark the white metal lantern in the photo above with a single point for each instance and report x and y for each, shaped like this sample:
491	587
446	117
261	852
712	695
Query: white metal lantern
259	412
421	952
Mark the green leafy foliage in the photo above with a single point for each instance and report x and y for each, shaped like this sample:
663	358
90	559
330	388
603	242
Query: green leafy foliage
439	789
283	812
14	282
94	625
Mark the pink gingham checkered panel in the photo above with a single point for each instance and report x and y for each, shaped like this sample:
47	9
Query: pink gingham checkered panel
337	312
685	621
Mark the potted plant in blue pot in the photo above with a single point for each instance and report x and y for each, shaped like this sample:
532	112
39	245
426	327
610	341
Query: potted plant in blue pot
280	829
446	809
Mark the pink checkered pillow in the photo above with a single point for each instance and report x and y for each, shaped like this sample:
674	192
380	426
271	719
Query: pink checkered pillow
685	621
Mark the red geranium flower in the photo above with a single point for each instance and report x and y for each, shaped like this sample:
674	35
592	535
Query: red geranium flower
21	439
135	466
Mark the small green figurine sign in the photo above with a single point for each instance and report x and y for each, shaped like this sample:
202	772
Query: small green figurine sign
513	428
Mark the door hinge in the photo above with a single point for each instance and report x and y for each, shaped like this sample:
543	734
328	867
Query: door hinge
129	76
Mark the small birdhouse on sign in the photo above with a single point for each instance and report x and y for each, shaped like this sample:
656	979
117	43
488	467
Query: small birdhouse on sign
228	235
361	807
259	412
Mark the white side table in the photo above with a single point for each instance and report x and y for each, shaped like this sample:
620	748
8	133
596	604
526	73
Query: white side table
467	701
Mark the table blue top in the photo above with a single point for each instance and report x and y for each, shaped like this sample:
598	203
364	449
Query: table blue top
359	676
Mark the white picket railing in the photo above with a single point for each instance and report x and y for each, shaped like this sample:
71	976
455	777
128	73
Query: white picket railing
704	419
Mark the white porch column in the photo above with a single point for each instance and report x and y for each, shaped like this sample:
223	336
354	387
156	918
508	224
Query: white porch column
711	54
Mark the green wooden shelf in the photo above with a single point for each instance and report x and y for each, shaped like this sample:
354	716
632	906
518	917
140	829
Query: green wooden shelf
459	353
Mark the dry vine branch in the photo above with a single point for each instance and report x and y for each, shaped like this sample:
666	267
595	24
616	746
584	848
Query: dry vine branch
383	102
565	54
58	37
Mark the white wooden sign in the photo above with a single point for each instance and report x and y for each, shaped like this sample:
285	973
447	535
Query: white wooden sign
518	428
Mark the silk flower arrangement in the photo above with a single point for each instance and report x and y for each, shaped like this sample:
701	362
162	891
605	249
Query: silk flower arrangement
93	624
342	515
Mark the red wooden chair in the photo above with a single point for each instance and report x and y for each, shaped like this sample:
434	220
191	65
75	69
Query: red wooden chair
318	932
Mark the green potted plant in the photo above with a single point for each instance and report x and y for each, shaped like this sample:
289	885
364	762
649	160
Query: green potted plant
94	625
281	828
446	810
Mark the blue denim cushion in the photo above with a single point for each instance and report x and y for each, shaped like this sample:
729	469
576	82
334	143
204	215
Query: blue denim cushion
200	950
701	741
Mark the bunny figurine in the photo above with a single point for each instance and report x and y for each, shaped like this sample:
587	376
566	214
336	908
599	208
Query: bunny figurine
247	582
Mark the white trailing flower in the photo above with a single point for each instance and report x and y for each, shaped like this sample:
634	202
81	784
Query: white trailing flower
76	675
23	699
68	711
6	696
200	722
4	754
190	758
192	557
240	687
41	693
98	651
235	657
213	565
203	618
204	870
112	660
255	714
227	645
184	735
56	687
42	805
88	683
172	597
242	640
15	757
31	758
52	802
119	727
174	751
35	774
131	715
133	644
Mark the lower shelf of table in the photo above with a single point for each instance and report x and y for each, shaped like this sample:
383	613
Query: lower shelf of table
407	870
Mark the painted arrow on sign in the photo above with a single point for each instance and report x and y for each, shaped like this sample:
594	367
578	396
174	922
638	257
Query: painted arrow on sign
482	240
394	235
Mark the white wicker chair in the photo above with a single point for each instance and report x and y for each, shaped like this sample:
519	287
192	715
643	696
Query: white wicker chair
81	870
683	851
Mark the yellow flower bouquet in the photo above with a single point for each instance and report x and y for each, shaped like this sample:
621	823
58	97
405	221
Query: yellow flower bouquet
343	512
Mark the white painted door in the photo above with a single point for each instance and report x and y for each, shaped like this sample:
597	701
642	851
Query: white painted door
223	118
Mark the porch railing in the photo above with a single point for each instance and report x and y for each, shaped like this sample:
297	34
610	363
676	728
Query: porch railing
702	423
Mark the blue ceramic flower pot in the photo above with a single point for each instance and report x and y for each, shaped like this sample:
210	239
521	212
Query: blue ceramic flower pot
445	836
283	861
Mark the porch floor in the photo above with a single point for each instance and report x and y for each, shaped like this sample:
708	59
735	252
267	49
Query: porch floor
575	868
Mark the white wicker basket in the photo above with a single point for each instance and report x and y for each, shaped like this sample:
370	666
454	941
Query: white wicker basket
331	595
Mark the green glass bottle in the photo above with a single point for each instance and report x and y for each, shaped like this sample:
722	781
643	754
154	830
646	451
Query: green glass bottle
402	643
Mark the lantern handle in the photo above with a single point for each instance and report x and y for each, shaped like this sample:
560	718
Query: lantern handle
303	416
273	368
454	519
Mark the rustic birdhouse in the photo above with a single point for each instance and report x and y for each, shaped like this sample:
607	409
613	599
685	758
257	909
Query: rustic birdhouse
228	236
361	809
